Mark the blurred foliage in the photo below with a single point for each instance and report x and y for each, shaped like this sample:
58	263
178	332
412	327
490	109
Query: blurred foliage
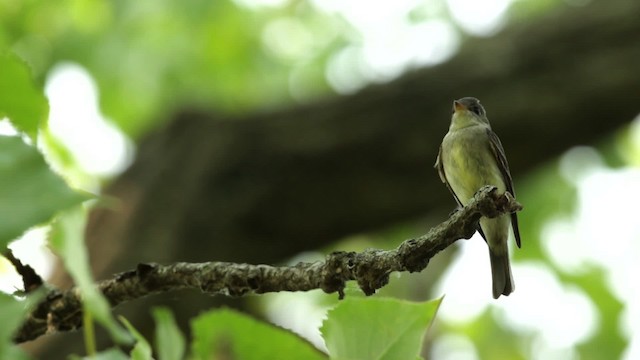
607	342
226	333
67	241
30	193
12	313
547	195
109	354
169	340
21	100
149	57
142	349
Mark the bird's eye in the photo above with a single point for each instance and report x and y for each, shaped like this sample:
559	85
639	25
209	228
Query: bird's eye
475	109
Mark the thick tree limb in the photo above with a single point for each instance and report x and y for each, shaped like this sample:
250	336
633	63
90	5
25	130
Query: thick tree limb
62	311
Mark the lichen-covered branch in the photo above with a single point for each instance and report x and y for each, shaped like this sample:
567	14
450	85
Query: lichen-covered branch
62	311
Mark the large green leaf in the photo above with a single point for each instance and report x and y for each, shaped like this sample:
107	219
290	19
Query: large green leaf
30	193
170	343
68	242
228	334
381	328
12	313
20	99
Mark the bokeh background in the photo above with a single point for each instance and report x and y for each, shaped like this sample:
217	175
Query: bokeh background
275	131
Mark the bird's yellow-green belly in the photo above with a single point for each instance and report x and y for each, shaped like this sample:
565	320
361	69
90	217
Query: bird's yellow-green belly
468	170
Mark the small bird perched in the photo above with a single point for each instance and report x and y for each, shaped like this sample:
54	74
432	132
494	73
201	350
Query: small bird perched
470	157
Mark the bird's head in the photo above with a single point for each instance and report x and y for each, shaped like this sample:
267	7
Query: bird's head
467	111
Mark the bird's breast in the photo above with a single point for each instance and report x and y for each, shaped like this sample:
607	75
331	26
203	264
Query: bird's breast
469	163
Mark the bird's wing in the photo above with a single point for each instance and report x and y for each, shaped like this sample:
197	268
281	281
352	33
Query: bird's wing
443	177
501	159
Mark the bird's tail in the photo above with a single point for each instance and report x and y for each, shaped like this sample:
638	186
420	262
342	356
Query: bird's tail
501	273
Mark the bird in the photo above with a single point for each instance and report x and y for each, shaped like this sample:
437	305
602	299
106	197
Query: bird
470	157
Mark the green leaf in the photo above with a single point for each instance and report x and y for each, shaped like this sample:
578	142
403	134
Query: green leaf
68	242
30	193
12	313
142	349
109	354
228	334
20	98
170	342
380	328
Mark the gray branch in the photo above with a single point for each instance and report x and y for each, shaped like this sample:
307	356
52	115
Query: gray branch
62	311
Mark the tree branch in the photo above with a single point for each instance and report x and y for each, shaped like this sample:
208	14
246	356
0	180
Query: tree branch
62	311
30	279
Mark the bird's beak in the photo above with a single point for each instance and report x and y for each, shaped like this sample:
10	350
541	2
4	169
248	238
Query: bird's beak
457	106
